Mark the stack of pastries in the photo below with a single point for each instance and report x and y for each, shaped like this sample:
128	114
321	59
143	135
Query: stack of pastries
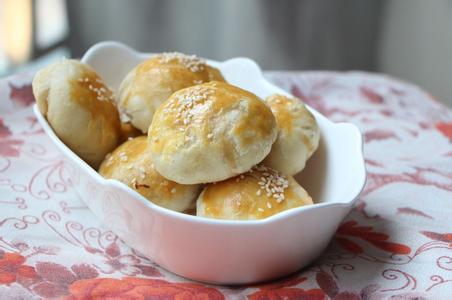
181	136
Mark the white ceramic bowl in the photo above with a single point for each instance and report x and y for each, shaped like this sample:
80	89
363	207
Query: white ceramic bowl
223	251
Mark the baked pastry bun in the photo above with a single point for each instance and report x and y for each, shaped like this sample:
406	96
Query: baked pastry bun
131	163
210	132
154	80
79	107
298	135
257	194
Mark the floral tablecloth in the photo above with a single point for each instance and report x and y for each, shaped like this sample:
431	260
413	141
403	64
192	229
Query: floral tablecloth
396	243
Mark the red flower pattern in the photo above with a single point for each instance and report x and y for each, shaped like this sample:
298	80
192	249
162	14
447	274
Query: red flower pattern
286	289
351	229
372	96
379	135
413	212
126	264
139	288
4	130
441	237
12	268
22	95
288	293
445	129
10	147
56	278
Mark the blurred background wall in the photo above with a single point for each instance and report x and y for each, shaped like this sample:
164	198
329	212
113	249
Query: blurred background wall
416	44
288	34
411	39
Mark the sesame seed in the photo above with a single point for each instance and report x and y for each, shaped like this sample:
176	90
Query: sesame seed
173	190
260	209
103	93
210	135
123	156
271	182
258	192
186	106
191	62
269	205
142	172
109	159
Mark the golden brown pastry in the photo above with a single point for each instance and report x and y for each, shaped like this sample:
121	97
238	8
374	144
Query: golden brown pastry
210	132
79	107
131	163
128	132
298	135
154	80
257	194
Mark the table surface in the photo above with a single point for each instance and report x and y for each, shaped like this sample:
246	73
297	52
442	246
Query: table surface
397	241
